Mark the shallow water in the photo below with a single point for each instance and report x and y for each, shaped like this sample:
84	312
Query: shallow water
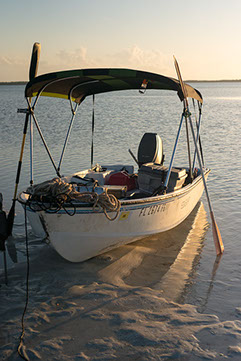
121	119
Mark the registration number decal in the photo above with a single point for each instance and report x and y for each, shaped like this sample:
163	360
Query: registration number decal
156	208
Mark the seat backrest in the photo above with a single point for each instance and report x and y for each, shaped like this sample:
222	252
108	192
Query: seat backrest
150	149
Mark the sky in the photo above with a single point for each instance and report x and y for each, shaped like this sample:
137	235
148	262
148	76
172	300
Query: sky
204	36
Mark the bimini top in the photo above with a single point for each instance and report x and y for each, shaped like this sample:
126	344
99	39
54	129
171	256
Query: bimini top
78	84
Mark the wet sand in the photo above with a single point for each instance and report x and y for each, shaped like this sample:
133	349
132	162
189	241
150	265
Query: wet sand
126	304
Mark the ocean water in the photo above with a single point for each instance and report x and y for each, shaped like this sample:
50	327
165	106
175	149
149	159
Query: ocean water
120	121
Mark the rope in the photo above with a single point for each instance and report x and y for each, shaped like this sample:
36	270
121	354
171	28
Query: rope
109	203
62	191
21	351
52	195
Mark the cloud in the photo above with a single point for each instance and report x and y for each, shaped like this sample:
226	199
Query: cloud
143	59
13	68
132	57
13	61
5	60
16	68
77	58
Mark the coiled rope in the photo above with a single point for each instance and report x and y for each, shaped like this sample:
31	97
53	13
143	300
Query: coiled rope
52	195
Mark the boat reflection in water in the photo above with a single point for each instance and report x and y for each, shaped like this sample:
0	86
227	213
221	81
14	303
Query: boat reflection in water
163	261
177	278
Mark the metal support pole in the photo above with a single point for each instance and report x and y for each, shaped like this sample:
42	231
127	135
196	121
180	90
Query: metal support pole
31	151
198	140
188	150
173	153
93	128
45	144
67	136
200	165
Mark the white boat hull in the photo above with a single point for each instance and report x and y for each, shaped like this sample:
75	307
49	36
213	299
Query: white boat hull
88	233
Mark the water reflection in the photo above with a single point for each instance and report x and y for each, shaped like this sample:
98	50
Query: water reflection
204	303
163	261
175	282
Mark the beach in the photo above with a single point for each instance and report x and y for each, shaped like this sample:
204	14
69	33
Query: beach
122	305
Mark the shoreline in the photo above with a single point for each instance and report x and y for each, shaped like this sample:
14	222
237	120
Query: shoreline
187	81
13	82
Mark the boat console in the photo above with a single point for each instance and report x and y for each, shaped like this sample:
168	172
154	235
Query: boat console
152	176
121	180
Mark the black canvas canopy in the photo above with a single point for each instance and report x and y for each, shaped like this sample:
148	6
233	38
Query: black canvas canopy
78	84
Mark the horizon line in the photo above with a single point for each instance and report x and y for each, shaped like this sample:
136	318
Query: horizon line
23	82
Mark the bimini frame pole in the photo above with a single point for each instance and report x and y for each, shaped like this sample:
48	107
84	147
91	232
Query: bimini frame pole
73	109
92	133
173	154
67	135
188	148
198	139
43	140
31	151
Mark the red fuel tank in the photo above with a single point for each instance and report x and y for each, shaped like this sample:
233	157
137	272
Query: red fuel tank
122	179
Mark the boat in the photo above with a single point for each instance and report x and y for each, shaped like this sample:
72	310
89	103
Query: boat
97	209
